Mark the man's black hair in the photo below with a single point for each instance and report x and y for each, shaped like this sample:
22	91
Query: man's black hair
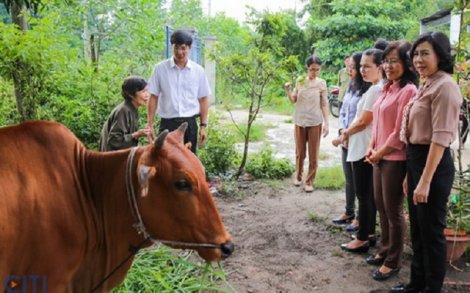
181	37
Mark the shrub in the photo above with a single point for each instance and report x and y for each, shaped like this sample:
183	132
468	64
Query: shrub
265	165
219	154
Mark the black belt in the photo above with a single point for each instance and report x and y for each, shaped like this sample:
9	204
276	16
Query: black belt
181	119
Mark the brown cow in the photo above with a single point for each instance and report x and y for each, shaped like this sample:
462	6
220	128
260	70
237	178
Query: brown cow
65	215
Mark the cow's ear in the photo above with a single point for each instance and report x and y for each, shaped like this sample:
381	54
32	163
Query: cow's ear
144	173
181	130
188	145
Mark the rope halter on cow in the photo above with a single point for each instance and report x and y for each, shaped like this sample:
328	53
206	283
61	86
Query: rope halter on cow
139	223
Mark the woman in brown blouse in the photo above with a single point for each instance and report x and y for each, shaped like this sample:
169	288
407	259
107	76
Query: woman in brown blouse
430	125
310	118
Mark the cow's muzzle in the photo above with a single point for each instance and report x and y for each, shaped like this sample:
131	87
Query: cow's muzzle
227	249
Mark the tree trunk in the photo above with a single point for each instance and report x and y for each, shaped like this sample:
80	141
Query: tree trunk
245	151
17	12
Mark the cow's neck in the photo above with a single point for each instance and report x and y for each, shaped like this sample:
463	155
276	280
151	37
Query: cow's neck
107	187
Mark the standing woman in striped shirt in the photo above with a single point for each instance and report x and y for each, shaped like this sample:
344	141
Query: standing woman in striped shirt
430	126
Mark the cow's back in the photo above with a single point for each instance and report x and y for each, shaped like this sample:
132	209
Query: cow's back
40	200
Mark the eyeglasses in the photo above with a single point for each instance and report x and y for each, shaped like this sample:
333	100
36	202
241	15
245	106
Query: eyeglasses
314	69
391	61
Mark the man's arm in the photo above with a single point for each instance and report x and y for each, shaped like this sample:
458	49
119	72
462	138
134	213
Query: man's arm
203	112
151	110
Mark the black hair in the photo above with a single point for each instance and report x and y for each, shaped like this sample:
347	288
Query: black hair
377	57
131	85
358	84
313	59
181	37
381	44
403	48
441	45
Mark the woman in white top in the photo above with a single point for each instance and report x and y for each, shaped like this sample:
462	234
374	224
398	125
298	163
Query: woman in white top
357	137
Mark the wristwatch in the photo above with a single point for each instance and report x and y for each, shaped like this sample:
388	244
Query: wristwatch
202	124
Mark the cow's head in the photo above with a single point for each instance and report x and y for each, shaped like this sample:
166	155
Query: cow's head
175	201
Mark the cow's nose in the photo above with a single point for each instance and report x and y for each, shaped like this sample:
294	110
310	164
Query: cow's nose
227	249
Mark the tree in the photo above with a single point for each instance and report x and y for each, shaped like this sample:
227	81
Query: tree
259	70
355	25
19	10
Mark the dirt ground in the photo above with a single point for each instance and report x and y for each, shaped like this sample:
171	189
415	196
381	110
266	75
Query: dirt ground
278	249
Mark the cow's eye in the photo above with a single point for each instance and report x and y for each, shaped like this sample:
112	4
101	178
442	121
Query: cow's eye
183	185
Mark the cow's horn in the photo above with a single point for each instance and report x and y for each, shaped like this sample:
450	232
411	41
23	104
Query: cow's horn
161	139
183	127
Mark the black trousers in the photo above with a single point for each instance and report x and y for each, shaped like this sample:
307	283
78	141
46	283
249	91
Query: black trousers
191	132
363	187
427	221
349	182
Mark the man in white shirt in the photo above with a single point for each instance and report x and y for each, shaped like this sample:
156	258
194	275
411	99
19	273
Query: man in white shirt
179	91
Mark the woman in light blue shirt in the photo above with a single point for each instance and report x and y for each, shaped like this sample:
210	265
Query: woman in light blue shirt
357	87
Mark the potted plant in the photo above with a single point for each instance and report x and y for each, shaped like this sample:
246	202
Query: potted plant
458	217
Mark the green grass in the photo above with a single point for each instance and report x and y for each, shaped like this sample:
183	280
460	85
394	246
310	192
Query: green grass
160	270
330	178
257	132
280	105
323	156
315	218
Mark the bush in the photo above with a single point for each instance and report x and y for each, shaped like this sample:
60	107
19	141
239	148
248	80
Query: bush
265	165
219	154
161	271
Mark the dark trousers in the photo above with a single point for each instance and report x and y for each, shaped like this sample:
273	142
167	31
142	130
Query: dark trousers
349	182
389	196
191	132
362	177
427	221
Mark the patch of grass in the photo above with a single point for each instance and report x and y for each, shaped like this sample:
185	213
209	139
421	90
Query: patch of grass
232	189
334	229
257	133
323	156
337	253
315	218
279	105
288	121
160	270
330	178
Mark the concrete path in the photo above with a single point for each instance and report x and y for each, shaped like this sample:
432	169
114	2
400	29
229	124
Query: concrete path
281	137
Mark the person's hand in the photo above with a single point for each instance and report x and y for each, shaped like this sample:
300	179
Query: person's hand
369	153
345	141
325	130
142	132
287	86
421	192
151	134
337	141
374	157
202	135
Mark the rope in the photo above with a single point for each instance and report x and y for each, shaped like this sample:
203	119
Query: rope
133	251
140	226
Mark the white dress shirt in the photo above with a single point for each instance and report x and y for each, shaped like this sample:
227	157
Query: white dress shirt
178	90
